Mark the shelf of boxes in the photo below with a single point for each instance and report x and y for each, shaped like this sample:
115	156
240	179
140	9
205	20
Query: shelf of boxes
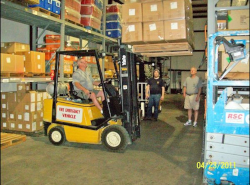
28	16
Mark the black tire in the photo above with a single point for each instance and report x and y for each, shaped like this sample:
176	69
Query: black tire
115	138
57	136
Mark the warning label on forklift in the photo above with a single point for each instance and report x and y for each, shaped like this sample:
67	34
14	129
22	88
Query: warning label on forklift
69	114
232	117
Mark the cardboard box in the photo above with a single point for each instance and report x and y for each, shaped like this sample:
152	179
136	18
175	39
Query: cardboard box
29	107
12	63
132	13
177	9
4	115
12	125
14	47
4	97
132	33
153	31
224	60
34	62
4	106
179	30
11	106
20	126
29	97
23	87
30	127
238	19
8	63
4	125
29	117
152	11
12	116
19	117
11	97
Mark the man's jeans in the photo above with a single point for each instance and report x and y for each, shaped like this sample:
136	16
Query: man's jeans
154	100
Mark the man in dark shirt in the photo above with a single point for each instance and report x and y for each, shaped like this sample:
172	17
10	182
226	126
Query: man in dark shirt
155	92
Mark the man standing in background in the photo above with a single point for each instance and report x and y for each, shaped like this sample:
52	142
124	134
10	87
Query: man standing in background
191	92
155	92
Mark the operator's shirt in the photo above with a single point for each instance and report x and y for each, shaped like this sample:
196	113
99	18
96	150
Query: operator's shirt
84	78
156	85
192	85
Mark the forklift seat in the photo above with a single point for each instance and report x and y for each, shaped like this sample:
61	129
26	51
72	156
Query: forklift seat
73	94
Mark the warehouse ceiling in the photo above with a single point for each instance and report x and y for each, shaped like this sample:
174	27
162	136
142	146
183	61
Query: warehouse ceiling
200	6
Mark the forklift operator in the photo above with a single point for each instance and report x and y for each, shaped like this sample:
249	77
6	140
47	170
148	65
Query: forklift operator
84	84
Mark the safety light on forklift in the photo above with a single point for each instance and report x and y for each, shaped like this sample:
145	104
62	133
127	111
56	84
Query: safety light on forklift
52	74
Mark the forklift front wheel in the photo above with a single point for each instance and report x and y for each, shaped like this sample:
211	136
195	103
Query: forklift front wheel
115	138
57	136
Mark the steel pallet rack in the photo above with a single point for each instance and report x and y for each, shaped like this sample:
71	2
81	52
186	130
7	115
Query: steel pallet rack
36	19
226	130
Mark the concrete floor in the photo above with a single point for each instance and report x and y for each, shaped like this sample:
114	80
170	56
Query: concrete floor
166	154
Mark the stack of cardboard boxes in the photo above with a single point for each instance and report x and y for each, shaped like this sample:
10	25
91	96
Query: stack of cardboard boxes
156	21
72	10
22	110
17	58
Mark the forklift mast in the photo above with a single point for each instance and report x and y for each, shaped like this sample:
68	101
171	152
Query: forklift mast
128	87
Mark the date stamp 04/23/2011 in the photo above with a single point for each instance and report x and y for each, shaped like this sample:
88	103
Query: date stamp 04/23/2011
216	165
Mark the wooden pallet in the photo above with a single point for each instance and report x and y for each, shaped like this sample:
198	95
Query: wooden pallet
36	74
36	133
92	29
42	10
11	74
72	22
11	139
164	49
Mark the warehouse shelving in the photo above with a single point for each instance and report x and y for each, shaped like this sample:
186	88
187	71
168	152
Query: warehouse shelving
36	19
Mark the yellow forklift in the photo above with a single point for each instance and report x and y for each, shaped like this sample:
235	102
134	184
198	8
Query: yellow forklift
68	117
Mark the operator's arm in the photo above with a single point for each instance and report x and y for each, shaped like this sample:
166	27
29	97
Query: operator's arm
96	83
184	91
162	92
79	86
147	91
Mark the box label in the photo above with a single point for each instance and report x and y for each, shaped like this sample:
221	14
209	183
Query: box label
3	115
38	57
38	97
19	117
23	46
12	125
4	124
11	116
66	113
4	106
8	59
33	126
235	117
131	28
173	5
26	107
35	116
152	27
26	116
131	11
153	8
33	107
174	26
41	123
20	87
32	97
3	96
27	126
20	126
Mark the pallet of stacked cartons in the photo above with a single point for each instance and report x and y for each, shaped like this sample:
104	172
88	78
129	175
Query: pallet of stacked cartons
49	7
163	23
11	63
113	27
132	23
91	14
72	11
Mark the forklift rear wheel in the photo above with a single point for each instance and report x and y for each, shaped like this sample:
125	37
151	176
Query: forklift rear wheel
57	136
115	138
